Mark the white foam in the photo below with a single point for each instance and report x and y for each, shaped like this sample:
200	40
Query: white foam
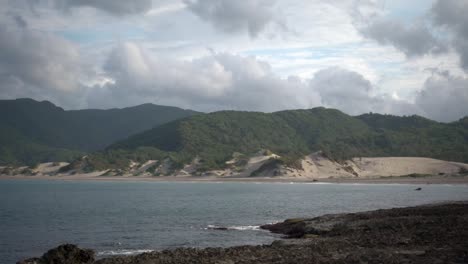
125	252
239	228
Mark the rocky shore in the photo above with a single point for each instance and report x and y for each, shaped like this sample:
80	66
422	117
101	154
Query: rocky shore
423	234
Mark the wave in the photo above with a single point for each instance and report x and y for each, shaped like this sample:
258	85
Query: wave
238	228
125	252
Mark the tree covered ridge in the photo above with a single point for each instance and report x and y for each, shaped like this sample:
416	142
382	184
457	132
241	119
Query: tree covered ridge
292	134
33	131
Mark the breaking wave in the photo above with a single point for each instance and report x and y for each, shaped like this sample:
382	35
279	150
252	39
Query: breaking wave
125	252
239	228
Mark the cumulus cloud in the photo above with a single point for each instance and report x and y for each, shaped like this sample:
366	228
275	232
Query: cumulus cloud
233	16
342	88
226	81
135	70
113	7
420	39
47	67
350	92
412	40
452	14
116	7
20	22
444	97
39	65
214	82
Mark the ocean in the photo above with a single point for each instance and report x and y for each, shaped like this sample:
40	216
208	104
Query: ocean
116	218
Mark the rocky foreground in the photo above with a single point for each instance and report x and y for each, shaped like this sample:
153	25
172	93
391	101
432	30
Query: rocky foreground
423	234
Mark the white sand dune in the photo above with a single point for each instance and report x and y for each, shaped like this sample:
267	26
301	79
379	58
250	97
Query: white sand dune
263	166
398	166
319	167
48	167
316	166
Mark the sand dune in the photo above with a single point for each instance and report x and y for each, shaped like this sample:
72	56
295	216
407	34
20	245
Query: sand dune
398	166
316	166
264	166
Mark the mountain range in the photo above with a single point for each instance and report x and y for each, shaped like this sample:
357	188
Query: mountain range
292	134
33	131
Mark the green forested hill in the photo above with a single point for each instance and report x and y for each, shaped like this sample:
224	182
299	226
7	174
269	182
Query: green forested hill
32	131
215	137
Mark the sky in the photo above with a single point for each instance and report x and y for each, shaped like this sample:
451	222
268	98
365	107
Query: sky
392	57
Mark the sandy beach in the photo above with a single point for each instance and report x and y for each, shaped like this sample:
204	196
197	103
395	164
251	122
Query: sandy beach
380	180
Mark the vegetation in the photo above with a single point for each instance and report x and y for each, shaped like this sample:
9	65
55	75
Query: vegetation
32	131
292	134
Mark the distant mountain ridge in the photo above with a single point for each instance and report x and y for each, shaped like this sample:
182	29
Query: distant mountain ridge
215	137
32	131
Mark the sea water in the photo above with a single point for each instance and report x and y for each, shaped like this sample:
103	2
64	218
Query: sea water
118	218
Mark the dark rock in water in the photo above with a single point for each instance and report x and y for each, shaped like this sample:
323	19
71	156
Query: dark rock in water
292	228
219	228
64	254
418	189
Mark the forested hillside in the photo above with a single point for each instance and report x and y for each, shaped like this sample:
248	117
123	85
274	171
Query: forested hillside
32	131
215	137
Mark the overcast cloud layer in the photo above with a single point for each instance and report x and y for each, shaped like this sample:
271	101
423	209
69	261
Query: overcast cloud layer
357	56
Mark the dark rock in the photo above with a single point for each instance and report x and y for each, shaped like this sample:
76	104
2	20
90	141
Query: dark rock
222	228
292	228
64	254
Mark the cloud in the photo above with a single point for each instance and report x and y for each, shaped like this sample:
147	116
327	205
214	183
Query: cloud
43	66
340	88
415	40
115	7
445	27
39	65
452	14
234	16
444	97
35	61
350	92
134	69
227	81
20	21
214	82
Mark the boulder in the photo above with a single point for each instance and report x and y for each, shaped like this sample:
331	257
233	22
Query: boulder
63	254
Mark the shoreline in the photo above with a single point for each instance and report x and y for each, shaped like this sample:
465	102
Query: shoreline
431	233
427	180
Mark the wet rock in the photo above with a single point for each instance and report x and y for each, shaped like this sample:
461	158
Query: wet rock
64	254
292	228
222	228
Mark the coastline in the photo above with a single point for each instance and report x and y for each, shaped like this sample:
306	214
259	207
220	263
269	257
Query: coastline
455	180
432	233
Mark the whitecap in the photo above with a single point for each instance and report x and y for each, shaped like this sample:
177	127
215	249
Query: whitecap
125	252
238	228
